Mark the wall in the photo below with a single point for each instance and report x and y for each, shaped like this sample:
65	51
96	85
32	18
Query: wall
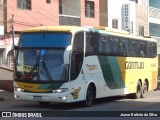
103	10
42	13
142	18
1	19
6	79
86	21
1	30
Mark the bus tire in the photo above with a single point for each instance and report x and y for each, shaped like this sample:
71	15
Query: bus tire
44	104
144	89
90	95
138	91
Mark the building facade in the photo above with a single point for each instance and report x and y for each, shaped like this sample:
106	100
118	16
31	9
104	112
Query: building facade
154	20
31	13
1	18
129	15
138	17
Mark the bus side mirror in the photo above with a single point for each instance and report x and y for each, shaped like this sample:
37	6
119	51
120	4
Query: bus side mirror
67	55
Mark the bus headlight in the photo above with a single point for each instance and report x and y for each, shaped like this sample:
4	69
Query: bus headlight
19	90
61	90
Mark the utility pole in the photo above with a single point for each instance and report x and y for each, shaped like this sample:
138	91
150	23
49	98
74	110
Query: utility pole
13	34
12	30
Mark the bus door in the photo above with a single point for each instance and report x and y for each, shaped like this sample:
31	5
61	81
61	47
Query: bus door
76	76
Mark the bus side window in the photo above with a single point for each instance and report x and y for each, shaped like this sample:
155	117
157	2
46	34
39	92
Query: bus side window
154	52
104	45
137	49
116	46
122	47
89	48
149	49
78	44
107	46
92	43
142	45
100	45
127	46
111	45
132	47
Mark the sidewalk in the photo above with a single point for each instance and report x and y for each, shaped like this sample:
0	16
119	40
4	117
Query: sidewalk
1	98
5	95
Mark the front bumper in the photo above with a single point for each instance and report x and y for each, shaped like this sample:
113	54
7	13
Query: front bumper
44	97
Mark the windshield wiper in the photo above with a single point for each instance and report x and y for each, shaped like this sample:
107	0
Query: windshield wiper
44	66
46	70
36	67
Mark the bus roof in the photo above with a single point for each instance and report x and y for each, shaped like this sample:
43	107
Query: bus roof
101	29
53	28
122	33
111	30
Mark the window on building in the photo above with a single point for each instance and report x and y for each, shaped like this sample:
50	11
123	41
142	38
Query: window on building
141	30
24	4
48	1
89	9
60	6
115	23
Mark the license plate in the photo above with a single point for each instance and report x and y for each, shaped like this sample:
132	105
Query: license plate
37	97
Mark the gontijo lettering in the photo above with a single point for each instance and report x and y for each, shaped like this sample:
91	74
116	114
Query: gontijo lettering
134	65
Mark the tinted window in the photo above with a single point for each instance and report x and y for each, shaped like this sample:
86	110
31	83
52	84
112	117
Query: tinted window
92	43
78	44
45	39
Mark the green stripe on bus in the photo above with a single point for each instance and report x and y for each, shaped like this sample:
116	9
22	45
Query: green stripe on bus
111	72
52	86
55	86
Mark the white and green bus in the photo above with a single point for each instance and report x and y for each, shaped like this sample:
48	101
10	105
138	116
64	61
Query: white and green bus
69	64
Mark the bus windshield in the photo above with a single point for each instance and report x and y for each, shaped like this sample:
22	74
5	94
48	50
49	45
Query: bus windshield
45	39
41	65
40	57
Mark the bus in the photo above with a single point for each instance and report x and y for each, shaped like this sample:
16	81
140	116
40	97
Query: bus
67	64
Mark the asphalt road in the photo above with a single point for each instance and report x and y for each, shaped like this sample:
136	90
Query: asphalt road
101	109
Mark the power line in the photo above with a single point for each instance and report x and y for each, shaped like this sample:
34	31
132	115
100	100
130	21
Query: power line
48	17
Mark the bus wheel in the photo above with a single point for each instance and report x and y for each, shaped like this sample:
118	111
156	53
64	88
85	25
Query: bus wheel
89	96
144	89
44	104
139	91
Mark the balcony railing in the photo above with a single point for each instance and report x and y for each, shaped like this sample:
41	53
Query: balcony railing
154	12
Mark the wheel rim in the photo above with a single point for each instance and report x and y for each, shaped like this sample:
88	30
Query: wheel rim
144	87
